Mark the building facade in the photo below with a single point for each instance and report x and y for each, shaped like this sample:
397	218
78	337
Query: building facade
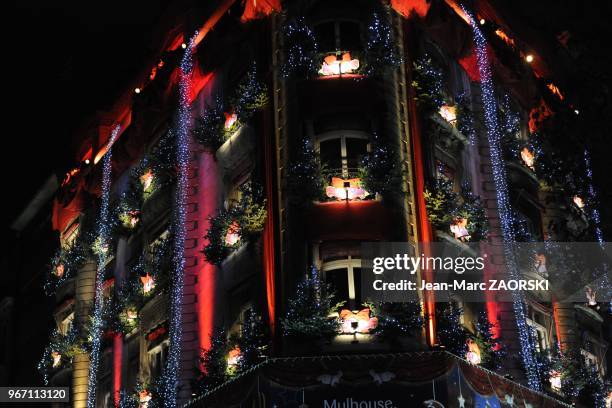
308	128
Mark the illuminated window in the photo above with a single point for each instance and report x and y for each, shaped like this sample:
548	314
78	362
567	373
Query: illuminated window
344	275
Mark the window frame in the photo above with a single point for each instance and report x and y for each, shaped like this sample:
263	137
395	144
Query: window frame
349	264
343	135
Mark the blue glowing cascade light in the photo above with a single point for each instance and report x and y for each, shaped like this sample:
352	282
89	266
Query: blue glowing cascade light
593	198
171	370
103	234
503	200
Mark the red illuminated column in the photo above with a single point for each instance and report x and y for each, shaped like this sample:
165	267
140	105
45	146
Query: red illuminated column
207	195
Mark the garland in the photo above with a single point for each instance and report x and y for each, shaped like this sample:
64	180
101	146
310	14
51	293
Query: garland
65	264
380	169
242	222
60	351
220	121
428	83
253	342
444	207
301	49
212	369
308	312
381	51
396	319
306	176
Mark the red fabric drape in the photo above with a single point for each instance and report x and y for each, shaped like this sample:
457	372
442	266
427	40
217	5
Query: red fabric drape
67	205
407	7
254	9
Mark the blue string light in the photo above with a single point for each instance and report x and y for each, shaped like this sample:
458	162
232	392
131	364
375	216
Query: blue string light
104	232
171	370
503	200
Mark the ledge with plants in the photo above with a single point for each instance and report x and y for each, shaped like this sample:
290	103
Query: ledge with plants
230	356
460	214
240	224
60	351
222	120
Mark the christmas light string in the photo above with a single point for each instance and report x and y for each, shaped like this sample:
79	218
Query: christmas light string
593	198
171	370
104	232
503	200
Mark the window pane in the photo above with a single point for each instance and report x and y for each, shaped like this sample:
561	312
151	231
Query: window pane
338	279
330	152
355	150
357	279
325	37
350	36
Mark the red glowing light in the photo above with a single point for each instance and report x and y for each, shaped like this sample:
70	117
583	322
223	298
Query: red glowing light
407	7
255	9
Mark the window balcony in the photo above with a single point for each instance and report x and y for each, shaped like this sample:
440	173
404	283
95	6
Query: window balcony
350	220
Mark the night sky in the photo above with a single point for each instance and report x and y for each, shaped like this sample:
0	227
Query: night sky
65	60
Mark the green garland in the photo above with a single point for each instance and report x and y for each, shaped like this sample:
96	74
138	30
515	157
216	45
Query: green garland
211	369
253	342
381	52
380	169
245	218
444	205
250	96
306	176
428	83
396	319
66	345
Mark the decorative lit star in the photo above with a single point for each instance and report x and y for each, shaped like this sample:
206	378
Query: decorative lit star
461	401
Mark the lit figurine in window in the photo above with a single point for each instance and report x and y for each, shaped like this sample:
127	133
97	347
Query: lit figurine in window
334	66
578	201
357	322
147	180
232	237
473	353
459	229
131	314
591	296
540	264
144	397
59	270
449	114
148	283
528	158
57	358
555	380
230	120
233	358
342	189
